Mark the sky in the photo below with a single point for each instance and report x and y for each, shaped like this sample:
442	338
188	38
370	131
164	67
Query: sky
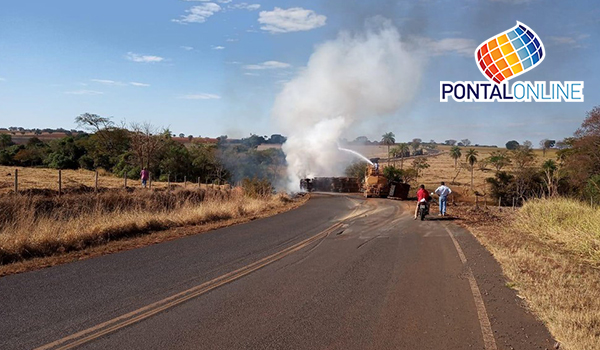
210	68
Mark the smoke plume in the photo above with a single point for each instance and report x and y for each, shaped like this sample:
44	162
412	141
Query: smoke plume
348	80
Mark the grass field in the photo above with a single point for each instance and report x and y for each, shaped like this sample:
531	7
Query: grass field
550	251
442	169
72	180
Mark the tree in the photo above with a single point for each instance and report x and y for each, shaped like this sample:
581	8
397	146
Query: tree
401	150
552	177
356	170
361	140
512	145
415	145
420	164
5	140
277	139
471	160
581	153
523	157
527	144
392	174
388	139
94	122
499	159
546	144
466	142
146	142
455	154
450	142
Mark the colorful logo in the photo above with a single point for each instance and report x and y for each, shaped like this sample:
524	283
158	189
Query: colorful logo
510	54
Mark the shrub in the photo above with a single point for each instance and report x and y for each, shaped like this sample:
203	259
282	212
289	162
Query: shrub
256	188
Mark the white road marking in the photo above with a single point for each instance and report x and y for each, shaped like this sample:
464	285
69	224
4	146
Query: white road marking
484	320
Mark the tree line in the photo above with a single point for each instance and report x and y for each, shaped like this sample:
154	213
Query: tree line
122	150
575	172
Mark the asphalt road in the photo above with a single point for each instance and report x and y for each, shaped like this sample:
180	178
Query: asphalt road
340	272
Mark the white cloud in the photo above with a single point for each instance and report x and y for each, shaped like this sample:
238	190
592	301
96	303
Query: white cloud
143	58
268	65
461	46
199	14
117	83
218	47
186	48
244	6
219	1
84	92
291	20
572	41
252	74
230	40
107	82
201	96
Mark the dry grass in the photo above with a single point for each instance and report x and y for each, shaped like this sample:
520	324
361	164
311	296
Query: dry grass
72	180
550	250
38	225
442	169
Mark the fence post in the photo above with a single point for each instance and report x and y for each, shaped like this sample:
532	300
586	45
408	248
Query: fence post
149	180
16	181
513	203
125	179
96	182
198	181
59	182
499	202
184	181
169	182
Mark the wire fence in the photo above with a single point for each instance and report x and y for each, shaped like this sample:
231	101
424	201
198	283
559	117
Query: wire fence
26	180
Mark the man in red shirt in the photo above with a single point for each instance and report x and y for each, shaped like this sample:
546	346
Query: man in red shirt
422	193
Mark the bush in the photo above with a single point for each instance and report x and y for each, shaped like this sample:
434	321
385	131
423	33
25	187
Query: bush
256	188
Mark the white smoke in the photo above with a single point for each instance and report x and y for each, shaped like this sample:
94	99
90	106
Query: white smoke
346	81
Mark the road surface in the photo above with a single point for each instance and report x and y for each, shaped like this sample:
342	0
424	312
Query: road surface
340	272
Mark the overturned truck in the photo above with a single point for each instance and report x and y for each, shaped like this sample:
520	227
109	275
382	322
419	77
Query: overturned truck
374	184
331	184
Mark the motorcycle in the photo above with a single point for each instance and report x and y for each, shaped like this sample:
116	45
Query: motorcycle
423	209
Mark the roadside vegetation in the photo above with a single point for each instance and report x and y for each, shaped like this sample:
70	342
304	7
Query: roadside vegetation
123	150
550	252
43	225
550	247
212	182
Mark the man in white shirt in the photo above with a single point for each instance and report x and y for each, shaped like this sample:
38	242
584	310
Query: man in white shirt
443	191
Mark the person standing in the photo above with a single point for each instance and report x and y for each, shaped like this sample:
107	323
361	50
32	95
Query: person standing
443	191
145	175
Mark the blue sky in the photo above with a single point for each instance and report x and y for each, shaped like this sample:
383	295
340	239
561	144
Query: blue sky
211	68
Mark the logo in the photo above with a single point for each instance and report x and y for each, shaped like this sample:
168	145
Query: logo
510	54
504	57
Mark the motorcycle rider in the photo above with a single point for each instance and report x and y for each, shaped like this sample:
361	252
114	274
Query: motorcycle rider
422	195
